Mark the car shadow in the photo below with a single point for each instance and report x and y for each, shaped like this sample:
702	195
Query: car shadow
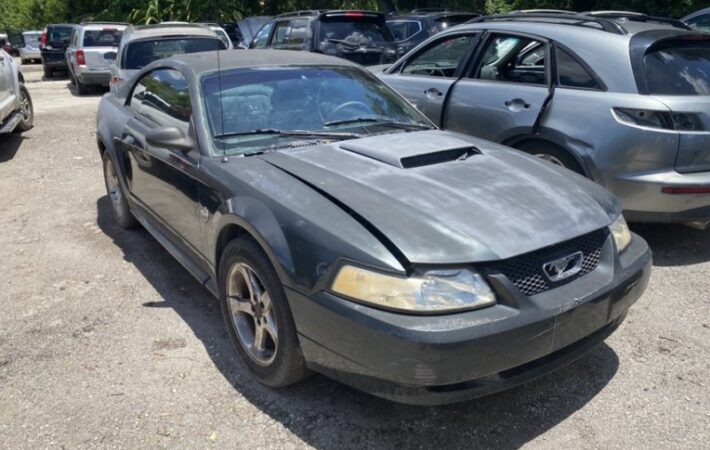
9	145
94	91
675	245
327	414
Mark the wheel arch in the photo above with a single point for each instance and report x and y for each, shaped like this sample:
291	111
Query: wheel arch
518	142
262	227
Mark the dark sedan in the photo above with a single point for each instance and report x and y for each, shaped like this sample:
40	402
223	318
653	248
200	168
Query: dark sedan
343	233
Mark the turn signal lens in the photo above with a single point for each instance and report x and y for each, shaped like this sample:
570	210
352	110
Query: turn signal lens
434	292
622	235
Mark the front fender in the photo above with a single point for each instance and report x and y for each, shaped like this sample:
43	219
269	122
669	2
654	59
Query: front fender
252	216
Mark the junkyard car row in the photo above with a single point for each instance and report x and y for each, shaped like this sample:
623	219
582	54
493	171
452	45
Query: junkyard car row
375	225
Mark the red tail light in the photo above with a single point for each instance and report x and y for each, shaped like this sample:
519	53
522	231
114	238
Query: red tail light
80	58
685	190
43	39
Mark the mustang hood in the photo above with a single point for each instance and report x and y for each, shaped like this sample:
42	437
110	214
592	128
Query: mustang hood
440	197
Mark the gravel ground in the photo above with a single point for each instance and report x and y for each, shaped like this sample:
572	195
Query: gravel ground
107	342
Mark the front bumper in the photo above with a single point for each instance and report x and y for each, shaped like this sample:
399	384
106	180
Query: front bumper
644	201
430	360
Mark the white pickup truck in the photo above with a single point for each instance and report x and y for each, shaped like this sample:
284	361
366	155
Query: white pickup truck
16	112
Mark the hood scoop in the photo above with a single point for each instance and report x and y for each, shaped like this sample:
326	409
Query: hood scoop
415	149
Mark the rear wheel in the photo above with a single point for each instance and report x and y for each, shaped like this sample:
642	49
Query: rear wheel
81	88
257	315
119	204
26	109
551	153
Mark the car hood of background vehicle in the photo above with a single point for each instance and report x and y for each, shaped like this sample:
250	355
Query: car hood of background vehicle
493	205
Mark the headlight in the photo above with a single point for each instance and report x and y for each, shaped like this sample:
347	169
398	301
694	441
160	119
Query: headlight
622	235
435	291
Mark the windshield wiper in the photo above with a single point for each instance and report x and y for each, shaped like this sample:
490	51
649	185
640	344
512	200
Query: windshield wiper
291	133
380	121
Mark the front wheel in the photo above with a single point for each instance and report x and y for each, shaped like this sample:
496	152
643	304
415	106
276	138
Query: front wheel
119	204
257	315
552	154
26	109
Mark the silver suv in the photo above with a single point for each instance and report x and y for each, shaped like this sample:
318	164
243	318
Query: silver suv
91	51
16	112
141	45
621	98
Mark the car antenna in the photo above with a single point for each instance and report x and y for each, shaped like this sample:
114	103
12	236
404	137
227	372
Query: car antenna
221	106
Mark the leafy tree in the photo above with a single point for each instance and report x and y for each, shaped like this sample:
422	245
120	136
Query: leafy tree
32	14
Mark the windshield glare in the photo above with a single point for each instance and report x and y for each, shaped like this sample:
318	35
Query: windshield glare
108	37
357	32
139	54
679	68
321	100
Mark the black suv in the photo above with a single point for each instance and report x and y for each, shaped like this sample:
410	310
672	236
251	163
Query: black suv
359	36
412	28
53	45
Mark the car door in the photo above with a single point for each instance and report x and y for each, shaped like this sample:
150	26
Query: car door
426	77
504	92
164	180
7	91
279	38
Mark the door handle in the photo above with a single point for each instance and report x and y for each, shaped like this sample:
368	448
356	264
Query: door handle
431	92
519	102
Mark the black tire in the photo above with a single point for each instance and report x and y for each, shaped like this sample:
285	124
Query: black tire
119	203
29	116
551	153
81	88
48	73
287	366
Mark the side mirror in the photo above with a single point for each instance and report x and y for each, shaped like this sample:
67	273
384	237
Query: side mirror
171	138
110	56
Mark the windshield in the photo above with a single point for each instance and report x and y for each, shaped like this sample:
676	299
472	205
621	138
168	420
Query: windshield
354	31
139	54
59	34
679	68
322	100
108	37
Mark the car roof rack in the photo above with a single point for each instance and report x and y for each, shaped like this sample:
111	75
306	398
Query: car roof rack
542	11
637	17
598	23
101	22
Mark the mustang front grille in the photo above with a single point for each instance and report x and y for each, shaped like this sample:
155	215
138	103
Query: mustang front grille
526	271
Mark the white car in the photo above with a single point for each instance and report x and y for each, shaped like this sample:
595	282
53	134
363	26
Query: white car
16	112
29	50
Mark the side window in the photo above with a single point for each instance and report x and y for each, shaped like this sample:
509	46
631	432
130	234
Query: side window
701	23
404	29
570	73
297	34
163	97
280	37
440	60
514	59
262	36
